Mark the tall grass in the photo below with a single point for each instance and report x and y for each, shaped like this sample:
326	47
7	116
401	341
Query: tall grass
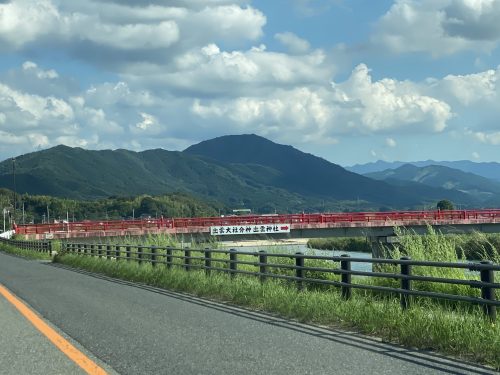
359	244
438	247
466	334
30	254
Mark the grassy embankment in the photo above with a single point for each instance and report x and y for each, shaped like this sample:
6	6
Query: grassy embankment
30	254
359	244
451	328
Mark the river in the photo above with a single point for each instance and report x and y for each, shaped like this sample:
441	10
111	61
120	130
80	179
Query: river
286	248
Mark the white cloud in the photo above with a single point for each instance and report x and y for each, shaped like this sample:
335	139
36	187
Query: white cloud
491	138
232	73
320	114
116	34
387	105
439	27
469	89
147	122
24	21
41	74
295	44
33	121
390	142
475	155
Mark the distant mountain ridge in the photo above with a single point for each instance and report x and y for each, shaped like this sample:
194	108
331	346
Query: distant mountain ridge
239	171
489	170
443	177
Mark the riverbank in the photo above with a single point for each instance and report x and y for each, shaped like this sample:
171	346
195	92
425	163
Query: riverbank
263	243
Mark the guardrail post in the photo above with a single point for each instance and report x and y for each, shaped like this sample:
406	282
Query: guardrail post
128	252
118	252
153	256
299	270
208	261
168	257
92	250
108	251
487	292
345	265
139	255
187	259
262	265
233	265
99	251
405	284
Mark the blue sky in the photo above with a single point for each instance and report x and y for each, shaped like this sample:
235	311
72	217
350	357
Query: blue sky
350	81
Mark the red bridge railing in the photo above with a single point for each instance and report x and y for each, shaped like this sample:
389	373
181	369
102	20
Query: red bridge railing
297	220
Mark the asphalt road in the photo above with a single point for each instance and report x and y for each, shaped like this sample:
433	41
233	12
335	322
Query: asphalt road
24	350
136	329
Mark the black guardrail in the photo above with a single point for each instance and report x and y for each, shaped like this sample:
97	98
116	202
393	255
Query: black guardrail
40	246
293	267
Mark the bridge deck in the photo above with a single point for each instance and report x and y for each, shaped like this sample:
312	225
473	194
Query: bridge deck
297	221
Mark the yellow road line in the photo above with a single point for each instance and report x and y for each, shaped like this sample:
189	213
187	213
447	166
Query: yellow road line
60	342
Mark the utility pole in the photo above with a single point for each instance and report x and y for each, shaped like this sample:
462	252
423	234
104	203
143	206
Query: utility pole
14	177
4	213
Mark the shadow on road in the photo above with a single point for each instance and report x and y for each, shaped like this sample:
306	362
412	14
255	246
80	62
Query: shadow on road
428	359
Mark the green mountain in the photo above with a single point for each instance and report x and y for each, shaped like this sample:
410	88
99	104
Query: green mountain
443	177
288	168
237	171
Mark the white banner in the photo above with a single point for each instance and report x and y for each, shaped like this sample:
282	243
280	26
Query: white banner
225	230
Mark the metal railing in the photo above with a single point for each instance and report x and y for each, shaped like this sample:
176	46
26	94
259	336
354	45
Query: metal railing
39	246
293	267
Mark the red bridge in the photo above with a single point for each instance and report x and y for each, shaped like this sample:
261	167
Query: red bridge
301	225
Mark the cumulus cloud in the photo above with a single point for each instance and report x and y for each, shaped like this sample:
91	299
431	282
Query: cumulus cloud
468	89
209	71
355	106
115	33
386	105
29	120
439	27
186	70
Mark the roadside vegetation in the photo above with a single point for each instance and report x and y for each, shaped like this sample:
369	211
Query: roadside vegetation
30	254
358	244
472	246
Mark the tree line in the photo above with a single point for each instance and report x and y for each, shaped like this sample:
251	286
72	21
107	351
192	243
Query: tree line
40	208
